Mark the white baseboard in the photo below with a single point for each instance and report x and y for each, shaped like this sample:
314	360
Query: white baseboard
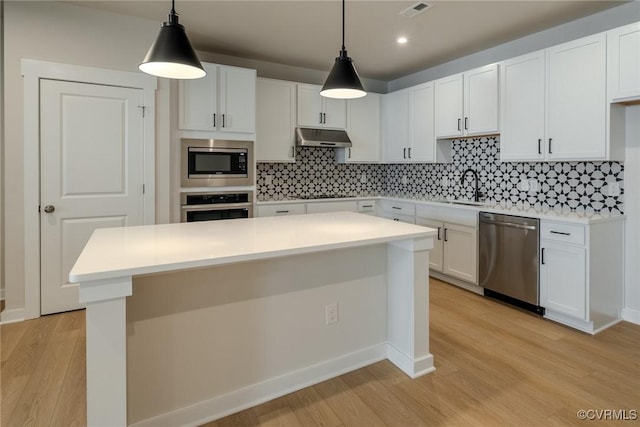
631	315
457	282
247	397
411	367
12	316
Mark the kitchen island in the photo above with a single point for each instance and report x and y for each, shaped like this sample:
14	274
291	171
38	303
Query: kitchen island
190	322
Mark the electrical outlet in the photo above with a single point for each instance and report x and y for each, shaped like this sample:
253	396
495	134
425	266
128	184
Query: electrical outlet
533	185
331	313
445	182
363	178
523	185
613	189
405	181
268	179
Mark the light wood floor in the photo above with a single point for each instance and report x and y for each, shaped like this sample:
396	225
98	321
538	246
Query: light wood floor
495	366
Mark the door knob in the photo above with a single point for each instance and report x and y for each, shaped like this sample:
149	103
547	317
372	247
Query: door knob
49	208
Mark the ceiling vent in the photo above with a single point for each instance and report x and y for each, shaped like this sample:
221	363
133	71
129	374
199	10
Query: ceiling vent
415	9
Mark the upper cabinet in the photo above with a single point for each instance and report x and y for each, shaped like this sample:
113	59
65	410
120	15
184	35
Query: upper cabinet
467	104
222	101
553	104
363	128
623	63
275	121
395	125
315	110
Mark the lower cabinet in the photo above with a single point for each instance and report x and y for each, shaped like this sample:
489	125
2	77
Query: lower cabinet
366	206
454	251
279	209
338	206
582	273
398	211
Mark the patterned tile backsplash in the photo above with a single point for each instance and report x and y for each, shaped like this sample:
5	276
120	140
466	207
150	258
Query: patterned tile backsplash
582	186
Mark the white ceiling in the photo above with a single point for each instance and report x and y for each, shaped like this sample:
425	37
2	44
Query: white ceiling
307	33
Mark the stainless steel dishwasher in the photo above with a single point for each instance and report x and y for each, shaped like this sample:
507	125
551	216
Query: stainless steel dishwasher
509	267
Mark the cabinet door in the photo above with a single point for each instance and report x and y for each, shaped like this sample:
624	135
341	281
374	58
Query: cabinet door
522	108
421	132
460	252
309	106
363	127
334	112
275	121
623	62
576	99
435	254
395	125
448	93
237	99
481	101
563	278
197	101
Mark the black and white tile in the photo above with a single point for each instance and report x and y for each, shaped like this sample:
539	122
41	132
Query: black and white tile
580	186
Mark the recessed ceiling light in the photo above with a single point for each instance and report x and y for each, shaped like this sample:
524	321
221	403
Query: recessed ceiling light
401	40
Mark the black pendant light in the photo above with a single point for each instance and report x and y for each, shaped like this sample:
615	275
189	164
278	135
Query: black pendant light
171	55
343	81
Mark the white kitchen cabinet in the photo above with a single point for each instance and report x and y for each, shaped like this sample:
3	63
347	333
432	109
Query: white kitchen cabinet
222	101
436	255
576	99
367	207
522	108
275	121
623	63
315	110
398	210
422	143
363	128
332	206
279	209
582	273
467	104
395	125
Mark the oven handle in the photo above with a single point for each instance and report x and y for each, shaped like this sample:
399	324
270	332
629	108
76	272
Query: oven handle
216	207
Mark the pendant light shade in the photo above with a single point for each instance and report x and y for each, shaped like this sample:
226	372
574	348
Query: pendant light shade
343	81
171	55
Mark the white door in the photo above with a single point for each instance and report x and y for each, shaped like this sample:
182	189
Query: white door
363	116
460	252
422	140
275	121
435	254
563	279
197	101
334	113
309	106
237	99
481	101
522	108
91	171
449	96
623	62
395	125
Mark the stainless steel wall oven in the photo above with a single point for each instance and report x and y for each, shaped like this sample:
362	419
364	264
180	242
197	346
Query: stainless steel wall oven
212	206
216	163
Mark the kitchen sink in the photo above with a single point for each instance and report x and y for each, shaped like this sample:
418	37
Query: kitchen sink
462	202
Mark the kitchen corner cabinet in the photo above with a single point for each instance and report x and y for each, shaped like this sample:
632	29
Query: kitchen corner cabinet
623	63
275	121
315	110
363	128
467	104
582	273
222	101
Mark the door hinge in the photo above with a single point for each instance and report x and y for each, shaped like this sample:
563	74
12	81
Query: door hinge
143	108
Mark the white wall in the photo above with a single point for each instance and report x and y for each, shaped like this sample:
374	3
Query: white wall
632	210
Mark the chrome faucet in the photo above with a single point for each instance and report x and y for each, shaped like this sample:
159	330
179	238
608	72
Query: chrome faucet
476	193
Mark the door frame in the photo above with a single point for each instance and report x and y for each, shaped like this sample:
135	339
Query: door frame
32	72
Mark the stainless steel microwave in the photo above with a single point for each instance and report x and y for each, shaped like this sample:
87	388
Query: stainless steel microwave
216	163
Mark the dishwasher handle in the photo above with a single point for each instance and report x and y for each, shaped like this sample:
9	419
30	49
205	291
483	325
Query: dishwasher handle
509	224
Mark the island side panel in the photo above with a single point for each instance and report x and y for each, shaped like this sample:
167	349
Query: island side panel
408	306
209	342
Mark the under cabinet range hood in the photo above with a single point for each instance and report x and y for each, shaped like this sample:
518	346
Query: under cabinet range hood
328	138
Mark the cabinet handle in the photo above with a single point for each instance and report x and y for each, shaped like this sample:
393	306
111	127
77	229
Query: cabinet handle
320	118
396	219
282	211
466	119
409	150
439	233
223	120
550	139
367	206
395	207
560	232
539	145
293	151
349	152
404	153
214	119
445	235
324	118
542	256
459	120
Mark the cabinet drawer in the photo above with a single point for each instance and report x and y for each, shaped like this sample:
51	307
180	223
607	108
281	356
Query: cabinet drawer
409	219
399	208
341	206
366	206
281	209
562	232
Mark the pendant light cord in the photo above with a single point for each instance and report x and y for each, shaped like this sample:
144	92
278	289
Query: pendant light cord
343	2
173	7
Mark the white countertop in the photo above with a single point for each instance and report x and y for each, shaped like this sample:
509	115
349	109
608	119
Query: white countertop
507	208
130	251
